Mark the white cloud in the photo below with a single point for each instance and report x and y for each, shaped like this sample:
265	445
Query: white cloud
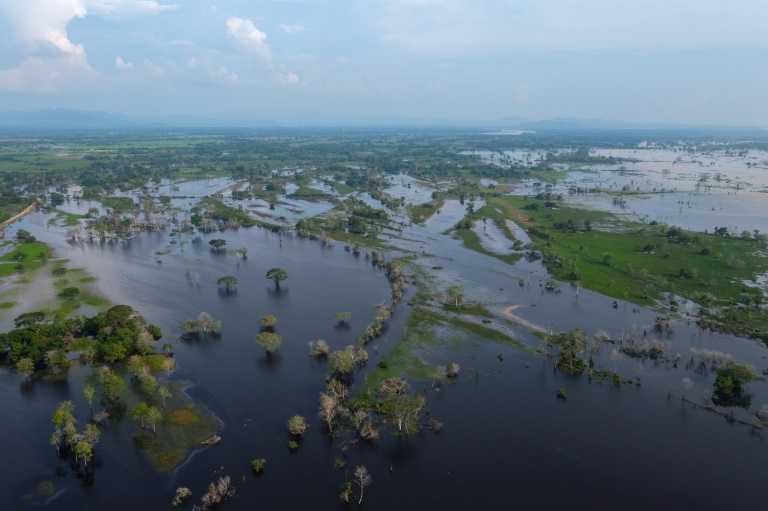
252	40
292	29
227	76
153	68
50	57
117	9
121	64
287	77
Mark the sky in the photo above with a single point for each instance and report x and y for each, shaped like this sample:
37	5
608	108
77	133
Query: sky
677	61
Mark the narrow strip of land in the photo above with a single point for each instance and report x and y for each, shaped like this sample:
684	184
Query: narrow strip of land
29	209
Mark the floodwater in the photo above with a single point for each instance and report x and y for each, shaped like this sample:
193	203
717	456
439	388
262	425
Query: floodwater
507	443
694	191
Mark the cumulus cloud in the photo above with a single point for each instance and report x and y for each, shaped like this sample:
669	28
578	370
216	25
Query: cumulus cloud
121	64
250	38
50	58
245	34
292	29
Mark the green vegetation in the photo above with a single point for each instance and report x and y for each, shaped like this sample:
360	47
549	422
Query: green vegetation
27	255
210	212
116	333
643	263
67	219
181	430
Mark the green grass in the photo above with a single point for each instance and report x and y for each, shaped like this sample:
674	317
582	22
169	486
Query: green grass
69	219
81	344
305	191
420	213
119	204
181	431
8	305
155	362
342	188
632	271
472	241
76	277
422	336
641	263
28	252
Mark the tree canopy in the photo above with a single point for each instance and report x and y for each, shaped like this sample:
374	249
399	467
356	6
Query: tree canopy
277	275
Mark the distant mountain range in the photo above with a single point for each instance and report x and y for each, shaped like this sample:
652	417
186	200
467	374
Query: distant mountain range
62	118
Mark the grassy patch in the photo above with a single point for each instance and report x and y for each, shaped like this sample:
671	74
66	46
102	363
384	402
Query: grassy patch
44	490
7	305
27	252
638	261
305	191
77	278
182	430
119	204
11	268
68	219
217	210
420	213
421	336
471	241
342	188
81	344
155	361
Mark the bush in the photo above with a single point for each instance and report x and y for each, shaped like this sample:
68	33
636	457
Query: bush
297	425
268	321
258	464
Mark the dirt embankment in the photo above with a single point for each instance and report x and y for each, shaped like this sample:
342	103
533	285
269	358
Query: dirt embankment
29	209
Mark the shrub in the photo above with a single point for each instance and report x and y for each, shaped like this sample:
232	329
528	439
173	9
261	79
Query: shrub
258	464
297	425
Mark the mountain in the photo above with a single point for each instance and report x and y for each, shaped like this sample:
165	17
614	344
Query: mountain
62	118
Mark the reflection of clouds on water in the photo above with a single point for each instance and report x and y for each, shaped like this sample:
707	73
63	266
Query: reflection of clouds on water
701	191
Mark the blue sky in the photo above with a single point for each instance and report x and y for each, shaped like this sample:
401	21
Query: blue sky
651	61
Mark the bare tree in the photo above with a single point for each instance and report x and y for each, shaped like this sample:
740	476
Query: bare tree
204	320
329	407
363	479
168	365
687	384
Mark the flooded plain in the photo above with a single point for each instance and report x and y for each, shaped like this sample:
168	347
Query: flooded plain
507	442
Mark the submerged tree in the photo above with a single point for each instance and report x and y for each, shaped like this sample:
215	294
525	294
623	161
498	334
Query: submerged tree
140	413
732	378
89	393
342	317
218	243
269	340
25	367
297	425
363	479
318	348
455	295
268	321
153	417
229	282
277	275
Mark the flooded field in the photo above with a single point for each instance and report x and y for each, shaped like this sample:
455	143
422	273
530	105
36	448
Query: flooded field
507	440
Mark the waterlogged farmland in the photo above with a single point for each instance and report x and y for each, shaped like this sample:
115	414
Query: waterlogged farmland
495	321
